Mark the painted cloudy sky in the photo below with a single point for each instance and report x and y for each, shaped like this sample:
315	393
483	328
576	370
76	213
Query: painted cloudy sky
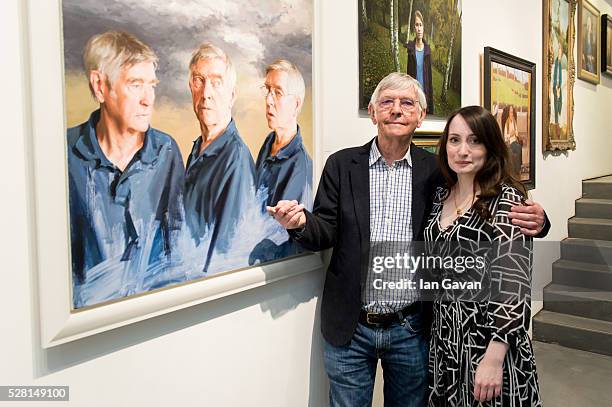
252	32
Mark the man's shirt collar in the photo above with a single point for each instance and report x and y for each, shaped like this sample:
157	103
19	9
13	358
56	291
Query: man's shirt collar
89	148
375	154
217	145
287	151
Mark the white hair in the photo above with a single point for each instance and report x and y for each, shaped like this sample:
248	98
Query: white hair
110	51
209	51
295	80
400	81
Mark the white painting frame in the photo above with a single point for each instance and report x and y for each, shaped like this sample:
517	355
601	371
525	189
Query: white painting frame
49	189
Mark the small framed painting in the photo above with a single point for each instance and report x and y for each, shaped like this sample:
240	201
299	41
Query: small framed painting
509	93
588	42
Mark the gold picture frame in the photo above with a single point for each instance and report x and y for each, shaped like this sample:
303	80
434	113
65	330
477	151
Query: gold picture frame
427	141
589	47
558	87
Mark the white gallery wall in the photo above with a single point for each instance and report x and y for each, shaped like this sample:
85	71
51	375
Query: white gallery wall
261	347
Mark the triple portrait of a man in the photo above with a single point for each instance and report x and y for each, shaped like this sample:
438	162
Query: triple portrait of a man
141	216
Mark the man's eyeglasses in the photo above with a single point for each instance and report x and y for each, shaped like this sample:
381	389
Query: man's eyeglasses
276	93
406	105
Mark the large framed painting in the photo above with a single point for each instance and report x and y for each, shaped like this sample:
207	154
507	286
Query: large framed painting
509	93
558	76
606	44
588	42
418	37
160	135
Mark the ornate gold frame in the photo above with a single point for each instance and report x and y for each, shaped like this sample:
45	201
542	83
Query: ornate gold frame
548	143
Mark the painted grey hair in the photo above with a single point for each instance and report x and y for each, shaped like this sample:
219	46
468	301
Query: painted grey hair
110	51
400	81
209	51
295	80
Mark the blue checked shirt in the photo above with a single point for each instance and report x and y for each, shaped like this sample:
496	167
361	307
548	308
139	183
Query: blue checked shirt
390	221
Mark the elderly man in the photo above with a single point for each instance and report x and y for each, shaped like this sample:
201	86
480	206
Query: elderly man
220	177
283	166
376	193
125	178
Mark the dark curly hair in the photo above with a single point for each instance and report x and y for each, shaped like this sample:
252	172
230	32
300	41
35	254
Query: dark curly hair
506	114
497	168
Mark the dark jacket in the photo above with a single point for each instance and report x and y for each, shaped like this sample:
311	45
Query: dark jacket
341	219
412	67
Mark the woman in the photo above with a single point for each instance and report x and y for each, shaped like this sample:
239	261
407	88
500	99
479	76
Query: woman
557	87
589	52
480	351
511	137
419	60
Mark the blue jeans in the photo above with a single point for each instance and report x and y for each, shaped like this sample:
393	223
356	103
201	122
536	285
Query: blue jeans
403	352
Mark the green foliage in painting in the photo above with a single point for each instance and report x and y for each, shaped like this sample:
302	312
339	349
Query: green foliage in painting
387	25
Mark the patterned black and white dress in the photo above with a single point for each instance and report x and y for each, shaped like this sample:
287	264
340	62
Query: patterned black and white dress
465	321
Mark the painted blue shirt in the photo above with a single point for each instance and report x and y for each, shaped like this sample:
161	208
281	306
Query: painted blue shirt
288	174
123	224
420	56
219	188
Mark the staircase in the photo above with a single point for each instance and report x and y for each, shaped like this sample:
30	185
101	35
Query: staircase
578	303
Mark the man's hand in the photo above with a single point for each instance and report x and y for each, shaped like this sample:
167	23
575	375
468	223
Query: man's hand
529	217
289	214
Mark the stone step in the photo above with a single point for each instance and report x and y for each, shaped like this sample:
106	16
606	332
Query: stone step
598	187
587	334
594	208
587	250
579	274
590	228
583	302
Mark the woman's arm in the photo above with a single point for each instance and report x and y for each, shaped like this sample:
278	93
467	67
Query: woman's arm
508	310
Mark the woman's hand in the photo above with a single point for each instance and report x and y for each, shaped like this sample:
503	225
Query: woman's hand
490	371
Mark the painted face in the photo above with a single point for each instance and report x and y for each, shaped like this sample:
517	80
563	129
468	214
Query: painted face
212	94
129	101
465	153
281	107
418	27
397	113
589	25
